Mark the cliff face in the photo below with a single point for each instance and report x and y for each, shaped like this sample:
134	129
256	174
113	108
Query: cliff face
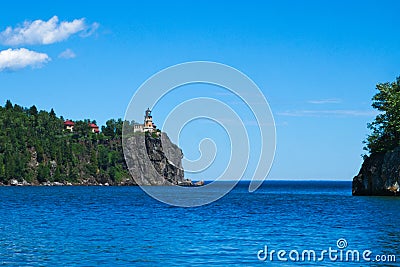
148	162
379	175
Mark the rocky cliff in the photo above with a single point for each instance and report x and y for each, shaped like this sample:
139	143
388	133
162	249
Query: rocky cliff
379	175
148	162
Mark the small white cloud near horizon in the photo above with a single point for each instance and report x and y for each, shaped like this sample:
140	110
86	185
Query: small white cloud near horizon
325	101
14	59
45	32
67	54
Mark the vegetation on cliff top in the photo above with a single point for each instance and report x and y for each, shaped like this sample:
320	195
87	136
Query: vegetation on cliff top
385	129
35	147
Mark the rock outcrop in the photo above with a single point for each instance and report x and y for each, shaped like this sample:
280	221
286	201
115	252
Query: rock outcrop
379	175
147	161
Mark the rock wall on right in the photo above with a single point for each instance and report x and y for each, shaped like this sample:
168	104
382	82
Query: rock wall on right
379	175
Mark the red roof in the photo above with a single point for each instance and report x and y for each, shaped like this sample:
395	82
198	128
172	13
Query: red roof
69	123
94	127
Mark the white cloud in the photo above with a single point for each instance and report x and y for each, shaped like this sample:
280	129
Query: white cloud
45	32
326	101
328	113
67	54
13	59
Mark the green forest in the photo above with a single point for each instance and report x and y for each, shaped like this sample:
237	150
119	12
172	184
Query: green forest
35	148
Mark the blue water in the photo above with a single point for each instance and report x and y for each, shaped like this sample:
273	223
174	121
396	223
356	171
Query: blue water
122	226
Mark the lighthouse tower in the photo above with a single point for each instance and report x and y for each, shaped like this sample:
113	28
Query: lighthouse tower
148	122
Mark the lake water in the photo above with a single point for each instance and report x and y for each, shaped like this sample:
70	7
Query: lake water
122	226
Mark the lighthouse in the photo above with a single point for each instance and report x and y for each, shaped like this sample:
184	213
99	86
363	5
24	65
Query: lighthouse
147	126
148	122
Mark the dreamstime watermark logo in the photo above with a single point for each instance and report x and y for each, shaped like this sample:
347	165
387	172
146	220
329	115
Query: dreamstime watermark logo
153	90
340	253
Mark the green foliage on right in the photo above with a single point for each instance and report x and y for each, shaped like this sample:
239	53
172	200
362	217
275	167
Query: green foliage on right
385	129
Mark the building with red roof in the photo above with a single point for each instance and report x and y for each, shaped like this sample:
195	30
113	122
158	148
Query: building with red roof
69	125
94	127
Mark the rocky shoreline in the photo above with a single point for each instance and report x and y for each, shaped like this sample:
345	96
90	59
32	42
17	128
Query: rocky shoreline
15	182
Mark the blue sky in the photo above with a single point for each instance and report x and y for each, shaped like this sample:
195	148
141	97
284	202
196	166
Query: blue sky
317	63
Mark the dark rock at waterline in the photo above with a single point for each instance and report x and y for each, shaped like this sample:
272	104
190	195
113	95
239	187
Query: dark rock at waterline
190	183
379	175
